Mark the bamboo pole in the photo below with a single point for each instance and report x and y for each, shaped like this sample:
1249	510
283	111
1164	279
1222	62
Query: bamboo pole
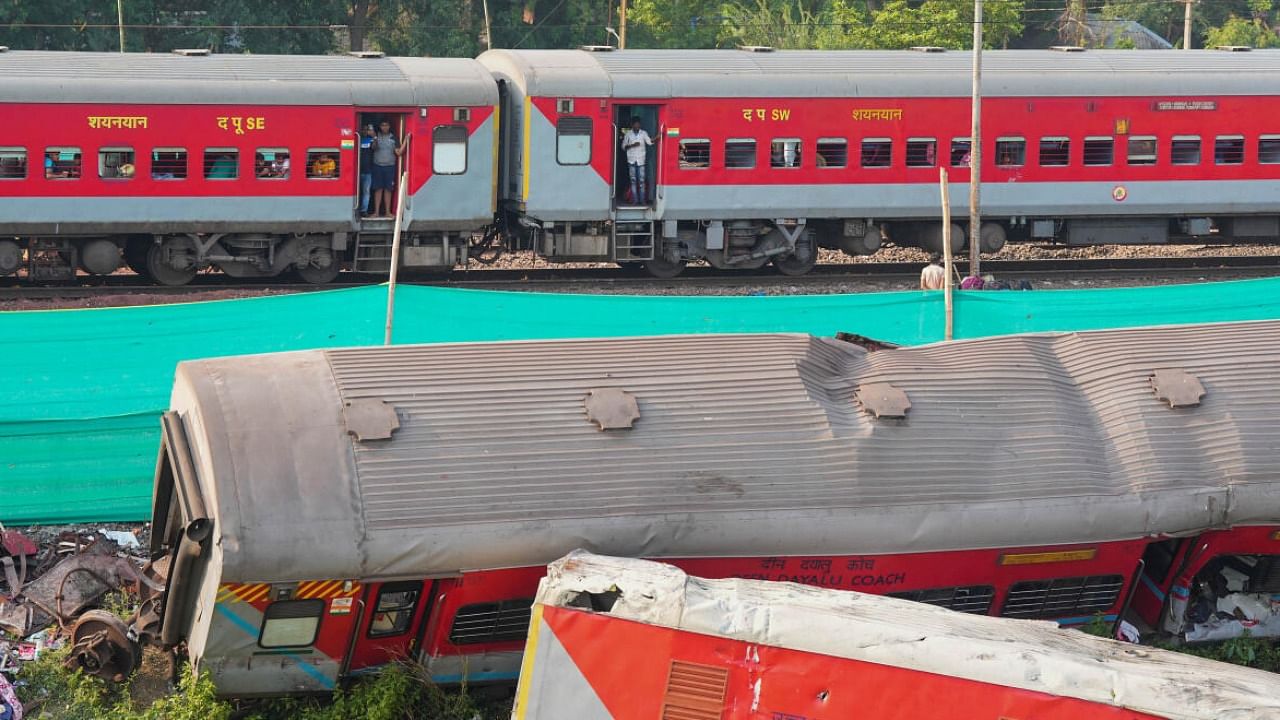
975	148
946	249
395	257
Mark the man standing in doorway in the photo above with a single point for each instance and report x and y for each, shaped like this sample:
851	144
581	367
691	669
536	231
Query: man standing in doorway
635	142
366	167
386	149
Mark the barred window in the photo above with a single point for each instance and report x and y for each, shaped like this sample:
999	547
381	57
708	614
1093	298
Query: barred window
1185	150
922	152
1099	150
1062	597
13	163
169	164
1142	150
877	152
1055	151
833	152
695	153
1268	150
491	622
974	599
960	152
62	163
785	153
1011	152
740	153
1228	150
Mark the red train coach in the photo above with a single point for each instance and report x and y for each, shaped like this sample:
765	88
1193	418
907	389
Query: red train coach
764	155
247	163
403	500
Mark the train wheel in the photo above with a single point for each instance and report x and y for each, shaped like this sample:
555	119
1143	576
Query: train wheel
799	262
992	237
171	263
663	268
10	257
320	268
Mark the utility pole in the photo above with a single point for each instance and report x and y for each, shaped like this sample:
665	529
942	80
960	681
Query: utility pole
1186	25
120	21
488	31
975	148
622	26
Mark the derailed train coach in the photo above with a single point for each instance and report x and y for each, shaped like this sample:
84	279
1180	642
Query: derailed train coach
319	513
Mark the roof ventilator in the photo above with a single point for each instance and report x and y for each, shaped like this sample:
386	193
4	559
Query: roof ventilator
1066	48
4	48
369	419
756	48
367	54
1177	387
883	400
597	48
191	52
928	48
1233	48
611	408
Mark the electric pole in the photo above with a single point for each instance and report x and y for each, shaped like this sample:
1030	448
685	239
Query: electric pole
120	21
975	148
622	26
1186	25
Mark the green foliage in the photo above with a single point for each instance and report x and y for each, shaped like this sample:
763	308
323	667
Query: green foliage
1098	625
1260	653
1241	31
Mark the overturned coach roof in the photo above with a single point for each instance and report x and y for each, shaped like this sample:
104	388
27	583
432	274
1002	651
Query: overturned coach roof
884	73
85	77
738	445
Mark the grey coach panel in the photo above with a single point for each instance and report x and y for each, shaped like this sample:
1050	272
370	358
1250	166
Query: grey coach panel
877	73
744	445
61	77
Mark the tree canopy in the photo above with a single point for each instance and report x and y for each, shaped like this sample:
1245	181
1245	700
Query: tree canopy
458	27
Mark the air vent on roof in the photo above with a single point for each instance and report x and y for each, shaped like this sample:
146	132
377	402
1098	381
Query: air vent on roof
1233	48
4	48
756	48
367	54
611	408
1177	387
928	48
1067	48
191	52
597	48
883	400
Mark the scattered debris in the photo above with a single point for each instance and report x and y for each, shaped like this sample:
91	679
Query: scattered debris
1234	596
10	708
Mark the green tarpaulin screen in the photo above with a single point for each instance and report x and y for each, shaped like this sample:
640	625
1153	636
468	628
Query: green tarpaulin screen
82	389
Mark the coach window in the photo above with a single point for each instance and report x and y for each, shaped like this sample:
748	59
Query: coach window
1062	597
1011	152
877	152
833	152
740	153
115	163
573	140
1055	151
394	609
922	152
13	163
960	152
291	624
1228	150
169	164
449	150
503	621
695	154
221	163
1142	150
272	164
1185	150
61	163
1099	150
323	163
1269	149
785	153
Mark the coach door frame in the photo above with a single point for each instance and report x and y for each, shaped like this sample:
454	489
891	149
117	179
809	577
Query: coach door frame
653	167
400	121
373	651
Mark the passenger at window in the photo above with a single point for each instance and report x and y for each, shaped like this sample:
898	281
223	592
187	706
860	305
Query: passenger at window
386	150
223	168
51	169
635	142
366	168
324	167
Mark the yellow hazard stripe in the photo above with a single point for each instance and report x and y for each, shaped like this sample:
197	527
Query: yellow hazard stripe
526	667
305	590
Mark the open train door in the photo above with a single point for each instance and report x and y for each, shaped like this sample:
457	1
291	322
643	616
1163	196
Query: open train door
397	122
390	628
650	117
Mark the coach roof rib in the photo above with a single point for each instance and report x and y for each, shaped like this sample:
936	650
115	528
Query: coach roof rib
885	73
745	445
136	78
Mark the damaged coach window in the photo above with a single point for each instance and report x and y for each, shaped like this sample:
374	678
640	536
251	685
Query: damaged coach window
291	623
1235	594
393	611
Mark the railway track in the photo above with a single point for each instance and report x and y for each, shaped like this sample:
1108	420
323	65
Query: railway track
124	284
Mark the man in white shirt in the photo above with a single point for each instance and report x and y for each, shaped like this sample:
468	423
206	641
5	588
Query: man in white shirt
933	276
635	142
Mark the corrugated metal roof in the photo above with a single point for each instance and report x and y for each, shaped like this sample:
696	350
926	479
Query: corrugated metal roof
75	77
887	73
745	444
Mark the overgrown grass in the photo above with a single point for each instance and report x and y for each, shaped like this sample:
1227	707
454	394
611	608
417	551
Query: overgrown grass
402	691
